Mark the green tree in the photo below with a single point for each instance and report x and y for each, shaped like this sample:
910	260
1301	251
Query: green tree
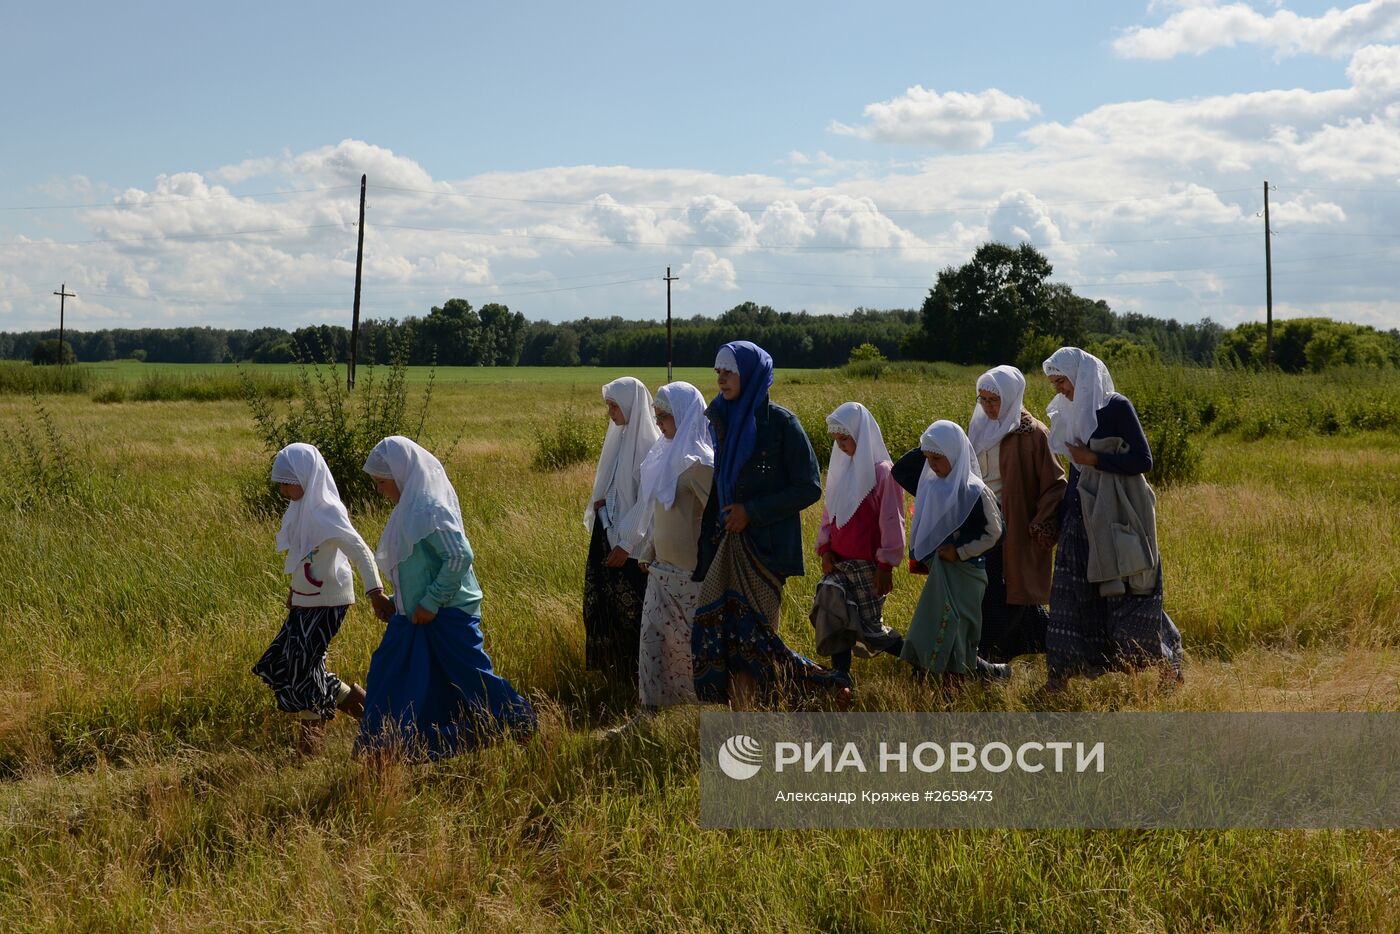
46	353
982	311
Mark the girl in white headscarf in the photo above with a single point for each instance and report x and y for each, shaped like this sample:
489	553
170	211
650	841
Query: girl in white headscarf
432	689
317	536
1013	452
613	584
675	486
860	540
1098	626
956	522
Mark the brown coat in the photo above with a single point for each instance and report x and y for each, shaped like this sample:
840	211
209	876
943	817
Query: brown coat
1032	485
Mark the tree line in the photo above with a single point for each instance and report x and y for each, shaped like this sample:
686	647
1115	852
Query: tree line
1001	306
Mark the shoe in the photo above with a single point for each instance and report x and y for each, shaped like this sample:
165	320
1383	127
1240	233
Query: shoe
991	671
844	697
353	703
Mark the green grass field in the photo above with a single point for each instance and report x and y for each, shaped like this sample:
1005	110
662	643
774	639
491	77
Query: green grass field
147	783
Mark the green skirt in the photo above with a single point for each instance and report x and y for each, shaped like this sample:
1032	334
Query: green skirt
947	622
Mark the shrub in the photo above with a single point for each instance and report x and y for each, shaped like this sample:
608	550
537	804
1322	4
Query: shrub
344	425
42	468
571	439
1175	457
46	353
26	379
202	387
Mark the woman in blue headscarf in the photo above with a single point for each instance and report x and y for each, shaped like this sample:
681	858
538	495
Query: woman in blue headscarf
751	540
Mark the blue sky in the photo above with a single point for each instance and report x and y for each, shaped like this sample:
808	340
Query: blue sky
818	156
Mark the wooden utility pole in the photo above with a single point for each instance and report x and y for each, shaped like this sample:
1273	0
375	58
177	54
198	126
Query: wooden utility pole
62	294
1268	287
669	279
355	314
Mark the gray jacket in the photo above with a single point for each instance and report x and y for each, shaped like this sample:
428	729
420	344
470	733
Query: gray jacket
1120	520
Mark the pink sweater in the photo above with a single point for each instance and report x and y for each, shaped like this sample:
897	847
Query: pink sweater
875	531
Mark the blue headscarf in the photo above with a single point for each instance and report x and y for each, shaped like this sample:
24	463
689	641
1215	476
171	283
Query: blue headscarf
740	428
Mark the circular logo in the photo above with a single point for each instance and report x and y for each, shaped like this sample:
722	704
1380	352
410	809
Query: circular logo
741	757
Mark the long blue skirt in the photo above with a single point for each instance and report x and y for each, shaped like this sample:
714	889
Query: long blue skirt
432	691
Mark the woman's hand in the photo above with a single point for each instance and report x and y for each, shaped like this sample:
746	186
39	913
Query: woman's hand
645	566
884	580
423	616
736	518
1082	456
383	606
1042	538
947	552
617	558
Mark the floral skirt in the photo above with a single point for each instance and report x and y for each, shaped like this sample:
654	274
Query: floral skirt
612	610
736	632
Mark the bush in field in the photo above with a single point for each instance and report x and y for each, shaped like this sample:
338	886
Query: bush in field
573	438
46	353
203	387
344	425
42	468
26	379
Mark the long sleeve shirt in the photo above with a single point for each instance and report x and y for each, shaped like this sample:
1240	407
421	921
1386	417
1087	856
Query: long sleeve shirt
323	577
875	531
438	573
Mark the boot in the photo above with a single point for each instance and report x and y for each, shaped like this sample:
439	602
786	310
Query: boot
991	671
353	703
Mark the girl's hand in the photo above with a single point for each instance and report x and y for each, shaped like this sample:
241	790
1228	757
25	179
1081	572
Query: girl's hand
383	606
645	566
947	552
884	580
828	566
422	616
1082	456
618	558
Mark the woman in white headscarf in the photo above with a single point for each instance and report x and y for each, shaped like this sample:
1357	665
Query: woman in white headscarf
1100	623
432	689
860	540
613	585
1013	453
956	522
675	486
317	536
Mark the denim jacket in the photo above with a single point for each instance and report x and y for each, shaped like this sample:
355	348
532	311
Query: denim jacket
779	480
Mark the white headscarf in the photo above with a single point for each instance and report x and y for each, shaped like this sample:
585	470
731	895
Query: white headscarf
944	503
319	515
667	460
725	360
427	501
1073	422
624	449
1007	382
849	480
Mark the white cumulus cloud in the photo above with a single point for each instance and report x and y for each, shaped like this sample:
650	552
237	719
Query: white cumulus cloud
1201	27
954	120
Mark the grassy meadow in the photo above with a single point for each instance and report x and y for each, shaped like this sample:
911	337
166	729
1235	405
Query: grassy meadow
148	783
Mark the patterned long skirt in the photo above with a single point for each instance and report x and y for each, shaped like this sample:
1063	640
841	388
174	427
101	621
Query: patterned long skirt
1008	629
1090	634
432	691
294	665
863	628
666	674
947	620
736	632
612	610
